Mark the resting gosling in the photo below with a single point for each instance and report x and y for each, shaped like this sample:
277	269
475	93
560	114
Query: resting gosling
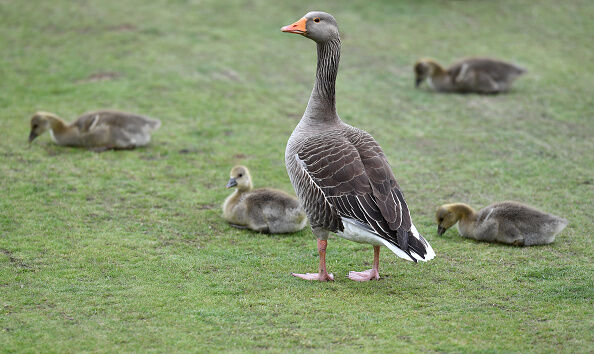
507	222
479	75
264	210
99	130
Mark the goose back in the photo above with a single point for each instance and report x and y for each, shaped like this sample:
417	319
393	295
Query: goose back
115	129
343	173
498	70
127	121
518	224
482	75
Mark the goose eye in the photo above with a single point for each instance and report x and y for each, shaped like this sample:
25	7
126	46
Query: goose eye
241	175
317	19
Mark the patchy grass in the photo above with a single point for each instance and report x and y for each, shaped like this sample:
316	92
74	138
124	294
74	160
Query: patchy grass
126	251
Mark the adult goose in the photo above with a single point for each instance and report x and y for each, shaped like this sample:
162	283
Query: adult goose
99	130
340	174
507	222
480	75
264	210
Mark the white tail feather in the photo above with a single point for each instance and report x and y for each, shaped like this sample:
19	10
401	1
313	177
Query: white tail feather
353	231
430	253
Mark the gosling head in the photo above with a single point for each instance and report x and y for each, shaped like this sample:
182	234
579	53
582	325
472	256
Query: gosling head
423	69
240	178
39	124
446	218
318	26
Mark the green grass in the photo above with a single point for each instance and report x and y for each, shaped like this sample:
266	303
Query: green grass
126	251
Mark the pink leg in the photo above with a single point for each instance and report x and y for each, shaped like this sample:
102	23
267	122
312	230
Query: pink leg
371	273
323	274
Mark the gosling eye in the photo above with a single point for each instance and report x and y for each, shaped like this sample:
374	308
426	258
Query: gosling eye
317	19
240	175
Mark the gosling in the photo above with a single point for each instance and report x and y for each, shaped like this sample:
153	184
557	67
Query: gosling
264	210
478	75
99	130
507	222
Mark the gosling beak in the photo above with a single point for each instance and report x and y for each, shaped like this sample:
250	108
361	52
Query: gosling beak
232	182
440	230
297	27
32	137
418	82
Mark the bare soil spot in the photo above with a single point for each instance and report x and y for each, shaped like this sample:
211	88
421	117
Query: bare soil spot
100	76
295	116
190	150
227	74
15	261
153	157
124	27
206	206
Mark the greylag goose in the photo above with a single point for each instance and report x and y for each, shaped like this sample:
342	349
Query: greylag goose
99	130
480	75
264	210
340	173
507	222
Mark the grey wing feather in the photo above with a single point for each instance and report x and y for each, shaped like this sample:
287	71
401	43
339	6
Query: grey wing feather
117	119
320	211
353	179
495	69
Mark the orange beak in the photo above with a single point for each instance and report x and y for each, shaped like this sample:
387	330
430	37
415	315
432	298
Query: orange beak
298	27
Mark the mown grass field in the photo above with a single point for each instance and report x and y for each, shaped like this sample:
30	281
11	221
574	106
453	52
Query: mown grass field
126	250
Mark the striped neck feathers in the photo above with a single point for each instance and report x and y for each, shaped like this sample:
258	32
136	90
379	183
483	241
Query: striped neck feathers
323	95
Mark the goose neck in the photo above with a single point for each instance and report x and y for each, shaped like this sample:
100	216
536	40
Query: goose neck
56	124
464	212
245	188
322	102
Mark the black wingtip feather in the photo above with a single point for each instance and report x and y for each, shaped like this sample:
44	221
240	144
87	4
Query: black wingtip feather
406	241
416	245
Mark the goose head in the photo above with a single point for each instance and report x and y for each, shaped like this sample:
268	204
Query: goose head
39	124
424	68
240	178
318	26
446	217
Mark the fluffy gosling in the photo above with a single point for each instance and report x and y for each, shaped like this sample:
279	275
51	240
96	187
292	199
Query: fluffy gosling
479	75
99	130
264	210
507	222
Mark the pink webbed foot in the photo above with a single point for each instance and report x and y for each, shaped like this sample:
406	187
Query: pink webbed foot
315	276
323	274
367	275
370	274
